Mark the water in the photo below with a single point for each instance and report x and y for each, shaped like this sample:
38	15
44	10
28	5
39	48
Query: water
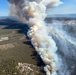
65	37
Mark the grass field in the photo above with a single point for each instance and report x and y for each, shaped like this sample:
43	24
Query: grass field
17	49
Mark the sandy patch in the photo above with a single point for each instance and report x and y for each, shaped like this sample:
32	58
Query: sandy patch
8	46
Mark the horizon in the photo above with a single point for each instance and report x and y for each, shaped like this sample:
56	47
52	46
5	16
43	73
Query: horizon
49	15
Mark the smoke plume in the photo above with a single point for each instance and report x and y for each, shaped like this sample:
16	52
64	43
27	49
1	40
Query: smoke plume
35	12
43	43
16	7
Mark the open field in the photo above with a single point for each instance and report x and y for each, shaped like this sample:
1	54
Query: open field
17	49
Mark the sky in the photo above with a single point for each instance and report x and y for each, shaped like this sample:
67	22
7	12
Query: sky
4	8
68	7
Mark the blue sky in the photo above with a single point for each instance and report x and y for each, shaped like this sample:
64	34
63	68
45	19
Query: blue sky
69	7
4	8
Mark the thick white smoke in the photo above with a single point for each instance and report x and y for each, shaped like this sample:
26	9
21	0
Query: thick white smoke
66	44
43	43
16	7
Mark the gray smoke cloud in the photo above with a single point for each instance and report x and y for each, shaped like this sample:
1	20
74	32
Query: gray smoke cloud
16	9
35	12
44	44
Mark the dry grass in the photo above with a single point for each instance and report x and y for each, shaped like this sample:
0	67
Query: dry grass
28	69
8	67
17	49
8	46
